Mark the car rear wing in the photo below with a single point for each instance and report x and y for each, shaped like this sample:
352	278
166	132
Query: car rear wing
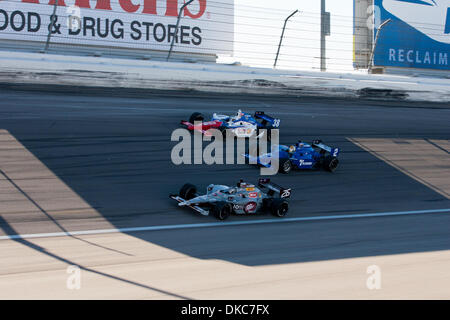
283	193
333	151
275	123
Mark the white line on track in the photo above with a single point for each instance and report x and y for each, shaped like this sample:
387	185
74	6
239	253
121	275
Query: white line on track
220	224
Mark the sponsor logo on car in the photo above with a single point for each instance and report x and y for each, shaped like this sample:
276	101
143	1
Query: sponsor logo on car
305	163
237	207
250	207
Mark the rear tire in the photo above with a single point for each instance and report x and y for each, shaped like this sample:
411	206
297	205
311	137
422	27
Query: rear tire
285	166
188	191
279	207
222	210
196	116
330	163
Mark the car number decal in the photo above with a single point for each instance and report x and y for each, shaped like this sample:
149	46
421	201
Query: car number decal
285	194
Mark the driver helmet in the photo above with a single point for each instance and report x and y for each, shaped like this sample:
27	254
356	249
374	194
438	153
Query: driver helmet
292	149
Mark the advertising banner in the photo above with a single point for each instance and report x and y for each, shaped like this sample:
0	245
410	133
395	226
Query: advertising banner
206	27
418	35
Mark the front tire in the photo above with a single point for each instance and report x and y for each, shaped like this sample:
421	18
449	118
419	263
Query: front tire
330	163
285	166
222	210
279	208
188	191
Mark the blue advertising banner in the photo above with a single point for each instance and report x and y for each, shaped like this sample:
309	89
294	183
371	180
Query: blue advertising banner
418	35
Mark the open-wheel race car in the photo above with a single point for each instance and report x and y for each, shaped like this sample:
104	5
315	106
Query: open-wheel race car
300	156
244	198
242	125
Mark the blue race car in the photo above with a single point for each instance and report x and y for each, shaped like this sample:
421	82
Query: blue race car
242	125
300	156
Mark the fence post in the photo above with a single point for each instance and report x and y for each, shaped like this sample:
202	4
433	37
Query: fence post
372	54
281	38
176	30
325	26
50	27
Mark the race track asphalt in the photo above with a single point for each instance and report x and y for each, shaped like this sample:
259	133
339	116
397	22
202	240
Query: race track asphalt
113	151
